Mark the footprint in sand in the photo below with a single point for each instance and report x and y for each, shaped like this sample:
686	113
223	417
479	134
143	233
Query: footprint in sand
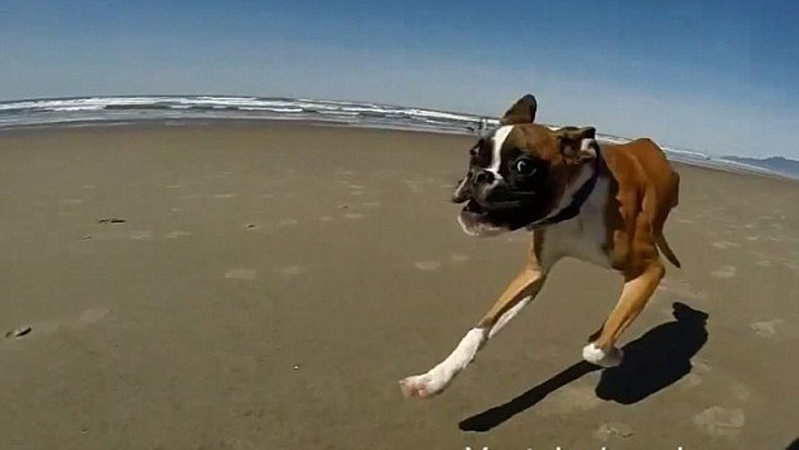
741	391
766	329
139	235
725	244
178	234
223	196
293	270
415	186
239	273
354	216
724	272
91	316
790	264
459	257
427	265
617	429
719	421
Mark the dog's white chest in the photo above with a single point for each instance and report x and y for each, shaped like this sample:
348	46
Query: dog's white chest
585	236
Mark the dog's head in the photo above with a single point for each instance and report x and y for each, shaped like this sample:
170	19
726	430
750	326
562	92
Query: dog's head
522	173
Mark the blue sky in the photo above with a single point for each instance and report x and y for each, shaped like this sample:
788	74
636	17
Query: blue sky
721	77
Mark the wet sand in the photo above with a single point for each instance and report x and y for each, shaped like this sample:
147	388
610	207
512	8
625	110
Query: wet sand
259	286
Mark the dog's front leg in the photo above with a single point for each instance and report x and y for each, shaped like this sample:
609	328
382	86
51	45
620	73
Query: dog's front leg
519	292
638	288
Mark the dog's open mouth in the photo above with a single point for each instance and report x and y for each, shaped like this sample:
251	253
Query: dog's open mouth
497	209
473	207
479	218
476	219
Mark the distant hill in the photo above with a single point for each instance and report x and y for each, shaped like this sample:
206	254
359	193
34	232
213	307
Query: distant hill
779	164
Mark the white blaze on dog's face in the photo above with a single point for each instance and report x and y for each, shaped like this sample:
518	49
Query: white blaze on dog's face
522	172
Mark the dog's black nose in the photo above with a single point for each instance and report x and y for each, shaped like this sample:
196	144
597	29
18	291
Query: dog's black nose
483	176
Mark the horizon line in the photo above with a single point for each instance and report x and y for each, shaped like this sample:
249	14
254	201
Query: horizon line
350	101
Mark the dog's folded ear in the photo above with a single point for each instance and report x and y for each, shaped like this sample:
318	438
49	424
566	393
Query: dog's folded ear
523	111
577	145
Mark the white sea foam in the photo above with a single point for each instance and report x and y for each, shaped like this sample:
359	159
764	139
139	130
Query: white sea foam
116	110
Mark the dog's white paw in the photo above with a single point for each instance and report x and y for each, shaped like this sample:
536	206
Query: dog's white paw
596	355
423	386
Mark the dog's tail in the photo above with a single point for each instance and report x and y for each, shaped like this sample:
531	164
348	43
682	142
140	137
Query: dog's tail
660	240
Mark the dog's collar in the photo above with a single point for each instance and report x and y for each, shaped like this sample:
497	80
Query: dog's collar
579	198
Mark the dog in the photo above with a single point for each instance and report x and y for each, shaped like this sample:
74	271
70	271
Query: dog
603	204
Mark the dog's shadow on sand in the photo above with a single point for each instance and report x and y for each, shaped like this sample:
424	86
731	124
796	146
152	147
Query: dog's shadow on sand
652	362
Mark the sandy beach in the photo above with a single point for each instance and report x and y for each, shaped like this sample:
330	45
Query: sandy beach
237	285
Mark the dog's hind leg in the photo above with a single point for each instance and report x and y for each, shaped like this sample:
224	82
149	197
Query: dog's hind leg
521	290
635	294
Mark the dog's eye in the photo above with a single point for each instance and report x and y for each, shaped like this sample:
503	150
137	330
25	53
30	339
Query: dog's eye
524	167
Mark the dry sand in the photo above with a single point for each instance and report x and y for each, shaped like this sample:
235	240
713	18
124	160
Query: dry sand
271	283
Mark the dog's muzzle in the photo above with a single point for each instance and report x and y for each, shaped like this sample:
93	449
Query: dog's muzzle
463	192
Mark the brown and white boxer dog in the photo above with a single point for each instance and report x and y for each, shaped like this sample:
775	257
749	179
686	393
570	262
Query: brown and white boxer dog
605	205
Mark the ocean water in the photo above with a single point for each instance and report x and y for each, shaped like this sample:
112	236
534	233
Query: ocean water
71	112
